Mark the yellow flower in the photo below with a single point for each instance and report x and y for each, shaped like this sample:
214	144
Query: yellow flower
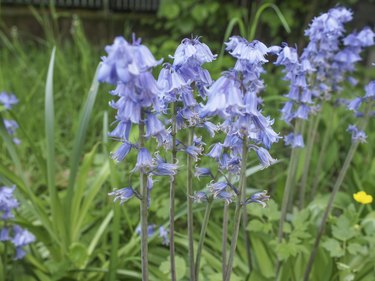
362	197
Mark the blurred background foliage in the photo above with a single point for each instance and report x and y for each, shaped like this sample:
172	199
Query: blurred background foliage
26	41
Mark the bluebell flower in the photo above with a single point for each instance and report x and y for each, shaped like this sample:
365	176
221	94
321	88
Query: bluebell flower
193	151
217	187
162	168
11	126
144	161
21	238
124	60
216	151
224	195
192	51
155	128
150	230
252	52
123	194
8	100
264	157
355	104
357	135
163	233
294	140
199	197
7	202
122	151
4	234
370	90
259	198
202	172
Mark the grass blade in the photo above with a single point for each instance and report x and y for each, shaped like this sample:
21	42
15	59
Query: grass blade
78	144
57	216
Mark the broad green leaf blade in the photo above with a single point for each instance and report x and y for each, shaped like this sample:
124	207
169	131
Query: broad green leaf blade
84	119
57	215
80	186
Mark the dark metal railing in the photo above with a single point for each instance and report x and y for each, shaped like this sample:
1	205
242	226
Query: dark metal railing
111	5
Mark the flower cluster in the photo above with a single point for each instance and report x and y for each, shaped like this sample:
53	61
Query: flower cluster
129	67
234	97
299	96
7	101
321	68
355	105
18	236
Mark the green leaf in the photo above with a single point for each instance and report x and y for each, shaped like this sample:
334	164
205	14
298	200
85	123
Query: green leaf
258	226
263	257
333	247
286	250
78	143
180	267
343	230
355	248
78	254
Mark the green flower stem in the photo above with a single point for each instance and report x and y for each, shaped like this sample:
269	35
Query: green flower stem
115	238
326	138
202	237
189	191
5	258
171	197
144	207
245	222
224	240
306	168
289	186
237	214
329	207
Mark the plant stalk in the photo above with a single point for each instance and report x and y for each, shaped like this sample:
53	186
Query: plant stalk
309	148
237	214
329	207
189	191
201	238
289	186
327	137
171	197
224	240
144	206
245	222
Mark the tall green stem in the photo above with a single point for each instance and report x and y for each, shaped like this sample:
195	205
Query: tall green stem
224	240
201	238
328	209
144	206
5	257
245	221
189	191
237	214
326	138
289	186
171	197
306	168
